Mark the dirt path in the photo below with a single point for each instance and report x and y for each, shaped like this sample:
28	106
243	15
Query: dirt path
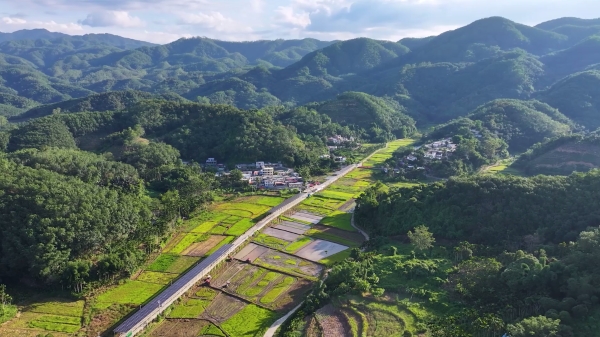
271	331
358	229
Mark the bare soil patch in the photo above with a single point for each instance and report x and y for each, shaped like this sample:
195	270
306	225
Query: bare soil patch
290	229
222	308
320	249
281	234
179	328
332	322
252	251
201	248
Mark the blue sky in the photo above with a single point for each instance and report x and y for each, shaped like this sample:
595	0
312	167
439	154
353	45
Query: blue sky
163	21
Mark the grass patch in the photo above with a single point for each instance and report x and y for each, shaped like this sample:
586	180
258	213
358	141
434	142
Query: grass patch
341	256
279	289
341	220
243	209
156	277
206	293
270	241
182	264
163	262
187	240
240	227
291	262
10	311
73	309
252	320
192	308
227	239
232	220
298	244
132	292
212	330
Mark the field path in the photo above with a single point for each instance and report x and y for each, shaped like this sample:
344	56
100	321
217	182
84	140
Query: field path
271	331
358	229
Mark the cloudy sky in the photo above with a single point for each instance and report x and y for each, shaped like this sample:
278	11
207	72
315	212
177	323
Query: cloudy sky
163	21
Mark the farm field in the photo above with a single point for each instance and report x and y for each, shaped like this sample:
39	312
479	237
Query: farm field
54	316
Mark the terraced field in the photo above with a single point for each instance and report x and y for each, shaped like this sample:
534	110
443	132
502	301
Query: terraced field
56	317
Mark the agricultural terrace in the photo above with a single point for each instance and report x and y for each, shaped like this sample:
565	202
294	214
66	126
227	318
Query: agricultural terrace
53	316
197	238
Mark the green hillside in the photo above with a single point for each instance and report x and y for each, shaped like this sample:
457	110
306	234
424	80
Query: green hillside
577	97
575	59
485	38
562	156
109	101
382	118
522	123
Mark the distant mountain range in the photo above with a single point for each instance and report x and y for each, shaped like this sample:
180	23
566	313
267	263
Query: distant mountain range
433	79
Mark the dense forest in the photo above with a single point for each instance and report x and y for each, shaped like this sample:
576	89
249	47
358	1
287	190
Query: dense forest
522	249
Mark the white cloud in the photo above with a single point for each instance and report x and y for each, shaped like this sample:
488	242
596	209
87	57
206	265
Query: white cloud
13	21
288	16
11	24
258	6
213	21
112	19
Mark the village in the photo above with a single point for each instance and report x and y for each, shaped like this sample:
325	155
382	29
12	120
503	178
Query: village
422	156
268	175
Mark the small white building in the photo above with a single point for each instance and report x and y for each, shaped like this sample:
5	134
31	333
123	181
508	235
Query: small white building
411	158
295	185
267	171
338	159
211	162
260	164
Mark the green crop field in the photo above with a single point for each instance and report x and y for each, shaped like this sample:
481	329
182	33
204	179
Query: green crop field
243	209
270	241
227	239
232	219
156	277
192	308
56	323
218	230
73	309
253	290
335	195
131	292
251	321
298	244
240	227
163	262
205	227
339	220
187	240
269	201
281	287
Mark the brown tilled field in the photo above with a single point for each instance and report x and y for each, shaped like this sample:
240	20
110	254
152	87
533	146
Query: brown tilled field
222	308
332	322
201	248
179	328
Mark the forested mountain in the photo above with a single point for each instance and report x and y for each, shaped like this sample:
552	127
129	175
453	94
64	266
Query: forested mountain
578	97
433	79
562	155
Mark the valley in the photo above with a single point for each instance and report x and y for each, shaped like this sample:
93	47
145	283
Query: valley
434	187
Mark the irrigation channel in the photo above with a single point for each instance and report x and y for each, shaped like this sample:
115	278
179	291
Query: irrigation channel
147	313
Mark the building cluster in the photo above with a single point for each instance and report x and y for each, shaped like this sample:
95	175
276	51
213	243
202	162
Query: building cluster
264	174
337	140
439	150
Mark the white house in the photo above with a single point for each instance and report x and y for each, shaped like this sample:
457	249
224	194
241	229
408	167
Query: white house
211	162
411	158
267	172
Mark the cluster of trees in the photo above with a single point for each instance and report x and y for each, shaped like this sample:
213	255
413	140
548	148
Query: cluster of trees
522	248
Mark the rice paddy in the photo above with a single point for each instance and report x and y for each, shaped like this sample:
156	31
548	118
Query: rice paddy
131	292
